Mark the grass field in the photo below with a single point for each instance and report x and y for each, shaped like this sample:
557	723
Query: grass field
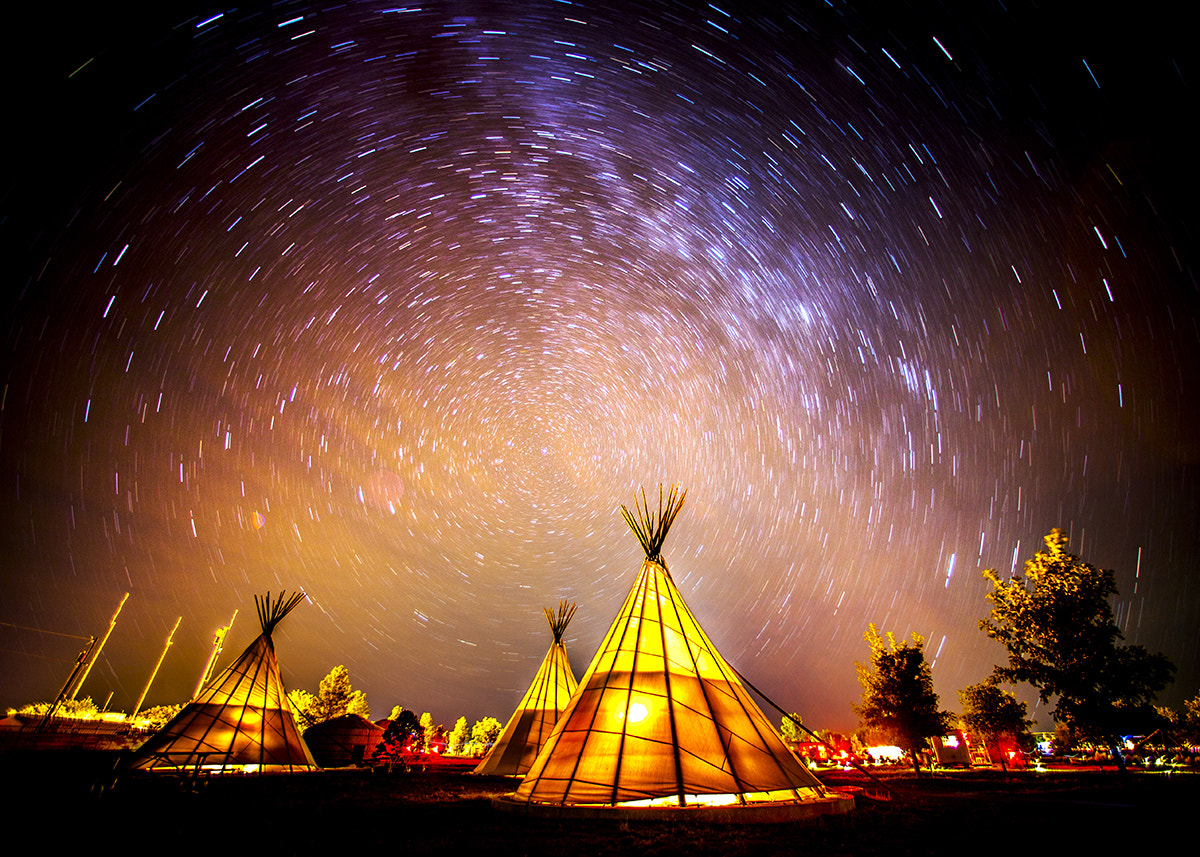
359	812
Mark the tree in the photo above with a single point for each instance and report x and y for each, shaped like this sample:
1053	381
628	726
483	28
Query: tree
334	698
789	729
157	716
78	709
403	732
1063	742
459	737
898	696
995	715
433	735
1057	624
1181	728
484	734
302	705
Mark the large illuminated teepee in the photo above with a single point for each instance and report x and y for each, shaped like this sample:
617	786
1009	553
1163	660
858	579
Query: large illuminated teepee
660	720
530	725
242	720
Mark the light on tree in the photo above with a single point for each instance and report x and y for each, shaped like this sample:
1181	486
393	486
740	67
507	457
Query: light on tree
996	716
334	698
1057	625
484	733
898	697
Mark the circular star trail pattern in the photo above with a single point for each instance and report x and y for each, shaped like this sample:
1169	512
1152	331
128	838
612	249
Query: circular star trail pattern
397	304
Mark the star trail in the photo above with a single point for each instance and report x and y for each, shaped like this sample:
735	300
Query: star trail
397	304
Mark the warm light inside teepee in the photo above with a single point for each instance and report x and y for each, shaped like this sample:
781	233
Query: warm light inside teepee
636	713
534	719
241	721
660	720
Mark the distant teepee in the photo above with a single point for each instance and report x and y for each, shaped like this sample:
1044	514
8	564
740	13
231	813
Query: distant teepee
659	717
242	719
530	725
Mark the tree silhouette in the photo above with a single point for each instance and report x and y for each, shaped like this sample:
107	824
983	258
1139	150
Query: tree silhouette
995	715
1057	624
898	697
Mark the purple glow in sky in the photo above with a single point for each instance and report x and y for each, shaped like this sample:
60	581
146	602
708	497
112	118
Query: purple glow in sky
398	304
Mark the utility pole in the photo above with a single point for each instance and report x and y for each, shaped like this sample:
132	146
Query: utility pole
161	658
217	647
112	623
83	665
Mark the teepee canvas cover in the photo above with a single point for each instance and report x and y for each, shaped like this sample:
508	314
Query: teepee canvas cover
659	715
242	718
530	725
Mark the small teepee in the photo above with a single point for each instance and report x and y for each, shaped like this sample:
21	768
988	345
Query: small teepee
530	725
242	719
660	720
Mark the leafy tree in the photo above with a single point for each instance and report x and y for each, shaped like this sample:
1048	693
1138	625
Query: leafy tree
403	731
458	738
334	698
433	735
995	715
834	739
484	733
791	732
1057	624
898	696
157	716
81	709
1181	728
302	704
1063	743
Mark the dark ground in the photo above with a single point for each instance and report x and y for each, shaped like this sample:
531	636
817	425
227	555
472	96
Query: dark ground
360	812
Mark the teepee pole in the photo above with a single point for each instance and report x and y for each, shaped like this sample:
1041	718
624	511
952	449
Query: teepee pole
616	782
797	722
678	758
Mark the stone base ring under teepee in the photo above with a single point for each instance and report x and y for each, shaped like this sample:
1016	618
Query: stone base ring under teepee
661	725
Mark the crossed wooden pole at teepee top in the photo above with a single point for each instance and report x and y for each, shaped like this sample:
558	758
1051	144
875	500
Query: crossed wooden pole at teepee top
651	531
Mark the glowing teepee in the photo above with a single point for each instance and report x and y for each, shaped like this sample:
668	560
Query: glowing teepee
242	719
660	719
530	725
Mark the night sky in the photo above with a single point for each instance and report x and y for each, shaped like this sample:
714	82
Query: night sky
397	304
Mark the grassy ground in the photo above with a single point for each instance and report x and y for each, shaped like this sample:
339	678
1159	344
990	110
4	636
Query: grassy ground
360	812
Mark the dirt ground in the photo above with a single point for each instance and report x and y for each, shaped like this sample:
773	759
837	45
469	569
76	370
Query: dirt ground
363	812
